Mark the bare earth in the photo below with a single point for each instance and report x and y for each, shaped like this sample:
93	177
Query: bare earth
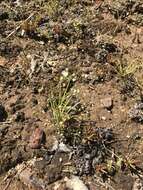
100	44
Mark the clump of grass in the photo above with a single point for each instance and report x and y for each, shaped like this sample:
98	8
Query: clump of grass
61	102
126	72
60	106
124	69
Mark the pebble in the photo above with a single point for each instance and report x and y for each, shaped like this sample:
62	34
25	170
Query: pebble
20	117
101	56
26	176
60	147
103	118
93	186
36	138
136	112
75	183
138	185
3	113
63	148
107	103
59	186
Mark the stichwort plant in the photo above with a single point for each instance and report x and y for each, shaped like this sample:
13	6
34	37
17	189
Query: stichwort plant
61	103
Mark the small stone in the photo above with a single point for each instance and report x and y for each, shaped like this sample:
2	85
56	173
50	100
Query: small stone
36	138
3	15
138	185
60	159
53	173
25	176
34	101
136	112
103	118
59	186
101	56
16	107
3	113
20	117
60	147
75	183
108	135
63	148
93	186
107	103
109	47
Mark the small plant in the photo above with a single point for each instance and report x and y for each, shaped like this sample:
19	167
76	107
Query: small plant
31	25
61	102
126	73
124	69
131	164
121	163
52	7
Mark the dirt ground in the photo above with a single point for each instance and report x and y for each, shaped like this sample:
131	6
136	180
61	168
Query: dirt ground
97	43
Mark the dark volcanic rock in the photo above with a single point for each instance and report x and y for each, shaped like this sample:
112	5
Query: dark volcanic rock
20	117
3	15
3	113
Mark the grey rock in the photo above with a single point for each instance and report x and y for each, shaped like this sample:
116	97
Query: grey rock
136	113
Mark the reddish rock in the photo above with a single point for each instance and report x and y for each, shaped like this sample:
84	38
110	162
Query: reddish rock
36	138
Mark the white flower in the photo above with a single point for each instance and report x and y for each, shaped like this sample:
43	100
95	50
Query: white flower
65	73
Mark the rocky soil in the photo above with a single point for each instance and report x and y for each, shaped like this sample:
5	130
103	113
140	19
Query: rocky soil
71	94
